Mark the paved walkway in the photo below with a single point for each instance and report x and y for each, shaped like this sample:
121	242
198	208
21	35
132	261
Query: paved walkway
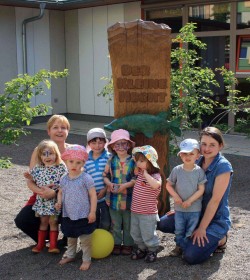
235	144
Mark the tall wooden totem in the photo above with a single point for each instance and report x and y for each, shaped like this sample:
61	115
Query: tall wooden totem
140	60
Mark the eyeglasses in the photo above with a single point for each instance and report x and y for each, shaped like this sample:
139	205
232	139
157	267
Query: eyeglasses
121	145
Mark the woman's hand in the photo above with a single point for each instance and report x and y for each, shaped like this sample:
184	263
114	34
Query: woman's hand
46	192
170	213
200	236
27	175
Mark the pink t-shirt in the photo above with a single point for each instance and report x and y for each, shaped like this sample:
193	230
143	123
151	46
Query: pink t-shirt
144	199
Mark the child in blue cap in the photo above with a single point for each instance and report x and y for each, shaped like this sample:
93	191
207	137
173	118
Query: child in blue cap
186	185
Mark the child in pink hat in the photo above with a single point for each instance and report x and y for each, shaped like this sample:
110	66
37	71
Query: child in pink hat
119	177
77	197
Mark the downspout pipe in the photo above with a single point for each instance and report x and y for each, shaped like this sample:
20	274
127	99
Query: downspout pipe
25	22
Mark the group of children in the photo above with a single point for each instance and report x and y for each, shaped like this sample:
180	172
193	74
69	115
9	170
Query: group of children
114	186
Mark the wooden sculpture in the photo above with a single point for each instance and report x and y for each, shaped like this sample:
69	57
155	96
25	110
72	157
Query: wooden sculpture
140	60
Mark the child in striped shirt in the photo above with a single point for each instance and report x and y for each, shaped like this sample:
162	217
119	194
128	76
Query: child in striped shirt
144	211
94	166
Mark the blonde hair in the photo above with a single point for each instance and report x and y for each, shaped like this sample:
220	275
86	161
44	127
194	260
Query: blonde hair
54	118
51	145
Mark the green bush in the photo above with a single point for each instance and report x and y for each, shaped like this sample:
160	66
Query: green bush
15	105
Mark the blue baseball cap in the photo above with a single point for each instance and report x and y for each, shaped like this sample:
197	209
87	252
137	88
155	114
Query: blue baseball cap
188	145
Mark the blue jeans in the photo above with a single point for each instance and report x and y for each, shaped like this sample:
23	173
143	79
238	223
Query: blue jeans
103	219
143	231
120	227
193	254
185	224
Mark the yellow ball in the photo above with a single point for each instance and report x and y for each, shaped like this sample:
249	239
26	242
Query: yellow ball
102	243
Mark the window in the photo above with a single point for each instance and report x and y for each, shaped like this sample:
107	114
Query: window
243	54
215	56
170	16
243	15
210	17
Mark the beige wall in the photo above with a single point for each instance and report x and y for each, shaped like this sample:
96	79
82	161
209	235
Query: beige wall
58	61
76	40
72	61
8	51
87	55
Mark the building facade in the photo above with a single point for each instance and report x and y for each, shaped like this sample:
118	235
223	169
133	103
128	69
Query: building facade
75	37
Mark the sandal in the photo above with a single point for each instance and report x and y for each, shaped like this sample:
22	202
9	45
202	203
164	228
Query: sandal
221	248
151	257
117	250
138	254
126	250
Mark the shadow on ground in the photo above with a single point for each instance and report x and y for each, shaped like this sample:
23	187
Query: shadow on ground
23	264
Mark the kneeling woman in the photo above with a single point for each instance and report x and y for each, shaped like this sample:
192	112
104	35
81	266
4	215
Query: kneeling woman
211	234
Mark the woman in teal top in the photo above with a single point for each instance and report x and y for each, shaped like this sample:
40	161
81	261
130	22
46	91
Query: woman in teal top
211	234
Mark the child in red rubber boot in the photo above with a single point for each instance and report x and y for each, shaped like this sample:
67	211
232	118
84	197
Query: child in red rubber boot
47	172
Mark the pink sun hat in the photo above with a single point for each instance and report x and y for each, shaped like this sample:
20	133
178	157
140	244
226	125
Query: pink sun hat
75	152
120	134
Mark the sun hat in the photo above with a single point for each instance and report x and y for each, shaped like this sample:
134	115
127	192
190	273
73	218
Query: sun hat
188	145
75	152
149	152
96	133
120	134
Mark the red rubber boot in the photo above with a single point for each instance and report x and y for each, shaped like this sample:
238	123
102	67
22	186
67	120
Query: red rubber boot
41	241
53	235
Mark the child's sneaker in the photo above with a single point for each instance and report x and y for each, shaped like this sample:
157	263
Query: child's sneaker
151	257
176	252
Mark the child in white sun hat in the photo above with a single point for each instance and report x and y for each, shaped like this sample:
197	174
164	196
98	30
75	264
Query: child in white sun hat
144	211
186	185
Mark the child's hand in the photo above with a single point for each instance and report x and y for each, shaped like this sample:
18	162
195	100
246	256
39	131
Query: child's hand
144	172
58	205
177	199
115	188
121	188
101	194
186	204
91	217
136	170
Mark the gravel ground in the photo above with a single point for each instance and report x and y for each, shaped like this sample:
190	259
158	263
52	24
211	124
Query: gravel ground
18	262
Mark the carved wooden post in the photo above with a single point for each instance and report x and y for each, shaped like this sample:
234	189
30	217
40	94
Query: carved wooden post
140	59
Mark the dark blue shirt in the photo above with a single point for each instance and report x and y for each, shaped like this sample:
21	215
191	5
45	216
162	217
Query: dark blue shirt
220	224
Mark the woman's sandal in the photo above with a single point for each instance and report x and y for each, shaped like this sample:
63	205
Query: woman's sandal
221	248
138	254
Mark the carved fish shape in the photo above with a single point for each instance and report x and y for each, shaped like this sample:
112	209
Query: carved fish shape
146	124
